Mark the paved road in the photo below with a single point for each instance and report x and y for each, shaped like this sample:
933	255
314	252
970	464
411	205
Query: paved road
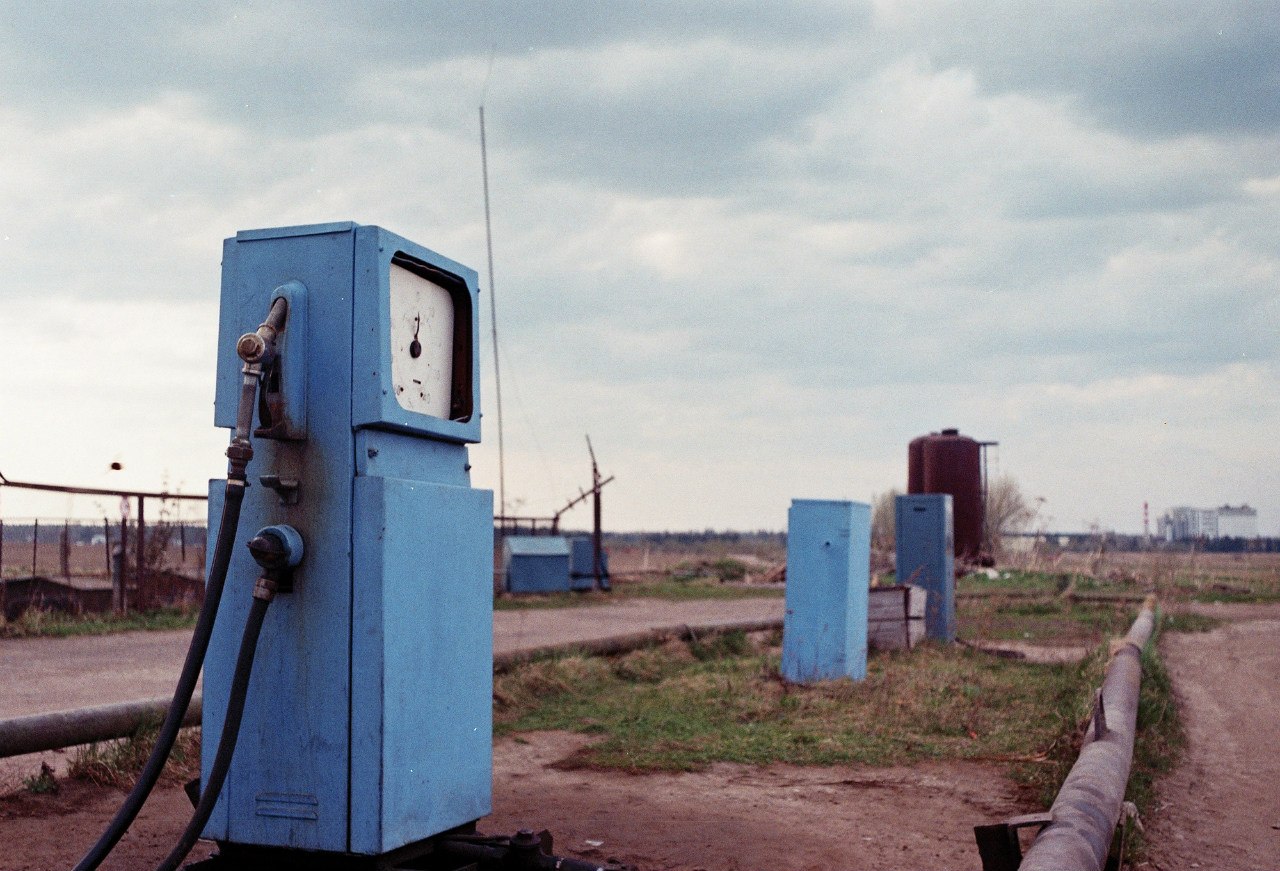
50	674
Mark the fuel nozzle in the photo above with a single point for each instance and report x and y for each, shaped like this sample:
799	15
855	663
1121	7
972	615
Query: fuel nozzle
259	347
257	350
278	549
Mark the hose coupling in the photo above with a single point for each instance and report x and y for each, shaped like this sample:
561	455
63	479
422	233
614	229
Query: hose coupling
278	549
239	453
256	349
265	589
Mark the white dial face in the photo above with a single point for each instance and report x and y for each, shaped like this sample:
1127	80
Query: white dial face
421	343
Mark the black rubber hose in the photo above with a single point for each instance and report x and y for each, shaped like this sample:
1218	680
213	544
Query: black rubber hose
172	724
227	741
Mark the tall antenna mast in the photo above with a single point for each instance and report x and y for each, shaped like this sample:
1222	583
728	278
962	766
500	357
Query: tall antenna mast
493	318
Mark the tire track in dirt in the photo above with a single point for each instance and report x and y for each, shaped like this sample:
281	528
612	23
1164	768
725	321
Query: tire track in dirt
1221	808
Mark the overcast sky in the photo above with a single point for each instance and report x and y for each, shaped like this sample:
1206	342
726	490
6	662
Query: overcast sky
751	248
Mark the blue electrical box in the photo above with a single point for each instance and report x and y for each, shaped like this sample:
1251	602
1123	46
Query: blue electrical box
368	720
582	564
824	633
536	563
924	545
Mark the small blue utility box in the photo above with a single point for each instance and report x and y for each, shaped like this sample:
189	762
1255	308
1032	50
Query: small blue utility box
924	545
824	633
582	563
536	563
368	718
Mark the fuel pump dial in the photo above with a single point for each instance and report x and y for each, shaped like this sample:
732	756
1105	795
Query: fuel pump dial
422	333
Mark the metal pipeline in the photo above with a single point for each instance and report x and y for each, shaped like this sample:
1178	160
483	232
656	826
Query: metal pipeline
1088	806
57	729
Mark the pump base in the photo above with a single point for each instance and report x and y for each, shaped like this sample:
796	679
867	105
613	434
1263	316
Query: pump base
239	857
461	849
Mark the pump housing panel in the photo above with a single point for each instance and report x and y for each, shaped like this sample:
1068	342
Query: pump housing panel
422	661
824	634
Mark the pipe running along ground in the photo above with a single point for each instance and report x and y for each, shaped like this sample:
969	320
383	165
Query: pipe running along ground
1088	806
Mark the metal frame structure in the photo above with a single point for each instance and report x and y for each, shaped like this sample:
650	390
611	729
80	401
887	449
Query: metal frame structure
120	576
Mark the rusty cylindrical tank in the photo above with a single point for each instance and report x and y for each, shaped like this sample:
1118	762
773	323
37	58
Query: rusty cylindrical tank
948	462
915	465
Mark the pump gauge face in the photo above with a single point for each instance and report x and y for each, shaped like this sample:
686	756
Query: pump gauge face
422	337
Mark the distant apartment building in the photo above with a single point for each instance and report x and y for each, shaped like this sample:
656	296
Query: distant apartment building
1237	522
1227	521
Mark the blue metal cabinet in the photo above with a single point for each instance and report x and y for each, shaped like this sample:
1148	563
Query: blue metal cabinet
582	563
367	723
536	563
923	541
828	574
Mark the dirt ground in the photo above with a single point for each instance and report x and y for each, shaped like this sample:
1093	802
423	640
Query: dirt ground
728	817
1219	810
731	817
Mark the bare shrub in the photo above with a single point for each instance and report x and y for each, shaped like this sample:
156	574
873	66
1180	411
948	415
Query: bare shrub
1008	510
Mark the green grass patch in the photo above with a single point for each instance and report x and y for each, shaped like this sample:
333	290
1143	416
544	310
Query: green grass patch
540	601
1050	620
44	783
1230	596
680	708
1185	621
1014	580
1160	739
699	588
56	624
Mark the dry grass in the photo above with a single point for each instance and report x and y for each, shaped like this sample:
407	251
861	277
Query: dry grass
118	763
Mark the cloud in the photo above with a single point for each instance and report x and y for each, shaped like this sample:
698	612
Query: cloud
752	250
1167	70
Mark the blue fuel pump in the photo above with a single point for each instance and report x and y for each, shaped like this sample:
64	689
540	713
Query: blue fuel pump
368	721
353	719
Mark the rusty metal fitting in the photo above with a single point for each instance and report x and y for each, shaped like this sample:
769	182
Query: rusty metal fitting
259	347
265	589
254	348
239	453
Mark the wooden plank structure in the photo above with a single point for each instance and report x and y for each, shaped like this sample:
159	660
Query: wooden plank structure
895	616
